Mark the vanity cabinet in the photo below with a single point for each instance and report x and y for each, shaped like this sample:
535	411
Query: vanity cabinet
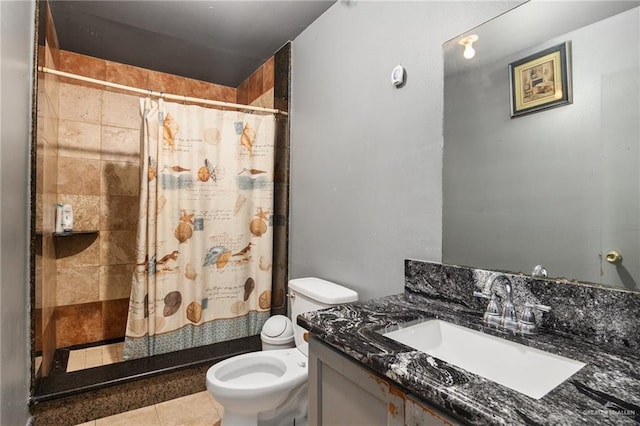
343	392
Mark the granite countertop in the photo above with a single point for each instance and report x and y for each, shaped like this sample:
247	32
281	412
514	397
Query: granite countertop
605	391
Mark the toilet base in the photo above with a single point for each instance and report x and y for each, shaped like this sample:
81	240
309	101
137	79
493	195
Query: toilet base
239	419
292	411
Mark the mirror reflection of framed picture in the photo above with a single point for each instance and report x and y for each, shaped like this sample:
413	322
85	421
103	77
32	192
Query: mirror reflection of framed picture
541	81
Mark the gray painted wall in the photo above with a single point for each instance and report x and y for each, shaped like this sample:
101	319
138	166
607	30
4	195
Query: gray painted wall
366	158
16	50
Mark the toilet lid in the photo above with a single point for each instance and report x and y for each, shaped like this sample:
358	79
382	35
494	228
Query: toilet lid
276	326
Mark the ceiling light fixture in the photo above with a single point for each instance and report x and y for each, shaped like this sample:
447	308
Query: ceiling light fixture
467	42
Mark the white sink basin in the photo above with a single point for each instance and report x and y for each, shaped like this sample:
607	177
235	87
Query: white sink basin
527	370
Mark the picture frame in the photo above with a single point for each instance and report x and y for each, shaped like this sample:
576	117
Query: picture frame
541	81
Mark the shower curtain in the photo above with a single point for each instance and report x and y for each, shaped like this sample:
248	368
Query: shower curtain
204	239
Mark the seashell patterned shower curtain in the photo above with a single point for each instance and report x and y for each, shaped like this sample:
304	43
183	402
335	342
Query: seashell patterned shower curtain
204	240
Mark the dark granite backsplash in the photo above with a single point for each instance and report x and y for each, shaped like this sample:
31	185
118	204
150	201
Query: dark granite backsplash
594	313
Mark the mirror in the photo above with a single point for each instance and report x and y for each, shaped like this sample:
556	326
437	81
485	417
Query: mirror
558	187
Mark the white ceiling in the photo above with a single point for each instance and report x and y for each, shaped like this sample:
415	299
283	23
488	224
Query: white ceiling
218	41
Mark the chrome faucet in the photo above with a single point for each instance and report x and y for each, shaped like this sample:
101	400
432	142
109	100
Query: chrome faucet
506	318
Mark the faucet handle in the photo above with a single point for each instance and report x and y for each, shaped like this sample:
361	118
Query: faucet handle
543	308
481	294
493	308
492	313
528	315
527	324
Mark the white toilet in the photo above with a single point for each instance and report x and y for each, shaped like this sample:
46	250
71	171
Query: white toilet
269	387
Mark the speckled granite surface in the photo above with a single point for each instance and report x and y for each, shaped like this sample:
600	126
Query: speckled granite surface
606	391
112	400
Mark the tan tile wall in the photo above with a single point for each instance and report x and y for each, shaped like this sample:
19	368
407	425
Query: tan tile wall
257	90
97	163
98	174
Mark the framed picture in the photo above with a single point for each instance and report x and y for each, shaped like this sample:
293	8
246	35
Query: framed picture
541	81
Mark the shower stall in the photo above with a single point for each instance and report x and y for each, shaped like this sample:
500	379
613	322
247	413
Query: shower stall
87	153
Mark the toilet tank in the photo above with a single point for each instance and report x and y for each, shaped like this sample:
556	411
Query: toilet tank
311	294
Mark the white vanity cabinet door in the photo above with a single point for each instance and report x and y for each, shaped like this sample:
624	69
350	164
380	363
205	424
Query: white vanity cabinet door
344	393
417	413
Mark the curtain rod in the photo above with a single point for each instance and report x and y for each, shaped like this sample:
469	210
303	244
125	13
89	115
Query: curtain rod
163	95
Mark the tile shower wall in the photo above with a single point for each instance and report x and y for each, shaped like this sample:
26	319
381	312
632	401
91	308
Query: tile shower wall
98	174
257	90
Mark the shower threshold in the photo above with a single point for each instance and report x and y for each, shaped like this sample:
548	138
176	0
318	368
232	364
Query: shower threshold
62	384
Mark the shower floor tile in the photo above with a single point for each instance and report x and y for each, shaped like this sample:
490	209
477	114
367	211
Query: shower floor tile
96	356
199	409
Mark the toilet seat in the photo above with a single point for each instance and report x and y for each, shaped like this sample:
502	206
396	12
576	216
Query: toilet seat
255	374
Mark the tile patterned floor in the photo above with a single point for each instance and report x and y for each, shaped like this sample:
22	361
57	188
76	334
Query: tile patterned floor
96	356
79	359
199	409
